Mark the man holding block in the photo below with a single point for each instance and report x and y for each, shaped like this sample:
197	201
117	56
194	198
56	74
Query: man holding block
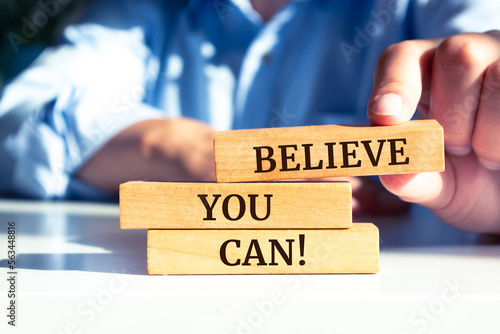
117	99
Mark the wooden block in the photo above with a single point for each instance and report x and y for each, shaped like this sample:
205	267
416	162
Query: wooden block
353	250
328	150
167	205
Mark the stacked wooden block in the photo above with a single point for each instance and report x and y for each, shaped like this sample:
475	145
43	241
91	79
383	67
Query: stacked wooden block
296	227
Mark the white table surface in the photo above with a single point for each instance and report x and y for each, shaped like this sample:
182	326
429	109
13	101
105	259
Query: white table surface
79	273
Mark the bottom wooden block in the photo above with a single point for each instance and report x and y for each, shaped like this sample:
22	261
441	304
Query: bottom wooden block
204	252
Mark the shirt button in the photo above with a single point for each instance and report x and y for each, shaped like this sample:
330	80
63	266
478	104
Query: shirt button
267	57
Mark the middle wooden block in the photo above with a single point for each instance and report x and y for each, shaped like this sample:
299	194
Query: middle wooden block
276	205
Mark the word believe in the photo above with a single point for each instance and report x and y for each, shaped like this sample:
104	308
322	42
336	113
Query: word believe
348	153
328	151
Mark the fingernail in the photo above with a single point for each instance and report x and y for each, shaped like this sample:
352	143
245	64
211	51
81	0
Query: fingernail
458	150
388	104
489	164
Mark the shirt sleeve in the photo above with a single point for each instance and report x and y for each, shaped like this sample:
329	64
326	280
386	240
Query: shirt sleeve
77	96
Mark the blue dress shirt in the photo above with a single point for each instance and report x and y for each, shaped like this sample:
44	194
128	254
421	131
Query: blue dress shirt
126	61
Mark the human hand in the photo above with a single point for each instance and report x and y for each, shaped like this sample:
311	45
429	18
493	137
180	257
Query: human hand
160	150
457	82
369	196
186	143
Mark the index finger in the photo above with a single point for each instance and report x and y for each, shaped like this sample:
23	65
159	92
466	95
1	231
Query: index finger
401	74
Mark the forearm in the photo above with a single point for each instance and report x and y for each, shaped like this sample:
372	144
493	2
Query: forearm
159	150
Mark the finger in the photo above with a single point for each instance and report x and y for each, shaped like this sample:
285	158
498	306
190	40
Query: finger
401	73
486	139
356	208
457	77
372	198
433	190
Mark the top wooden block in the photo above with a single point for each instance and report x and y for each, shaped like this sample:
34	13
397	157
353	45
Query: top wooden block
328	151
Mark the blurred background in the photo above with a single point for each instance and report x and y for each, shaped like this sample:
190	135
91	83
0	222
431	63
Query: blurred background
27	27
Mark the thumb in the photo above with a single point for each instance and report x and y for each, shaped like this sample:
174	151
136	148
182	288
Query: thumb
401	74
433	190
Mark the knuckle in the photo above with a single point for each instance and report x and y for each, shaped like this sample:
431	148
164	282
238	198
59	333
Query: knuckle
391	55
385	55
486	149
492	77
495	33
486	145
460	53
490	94
399	49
